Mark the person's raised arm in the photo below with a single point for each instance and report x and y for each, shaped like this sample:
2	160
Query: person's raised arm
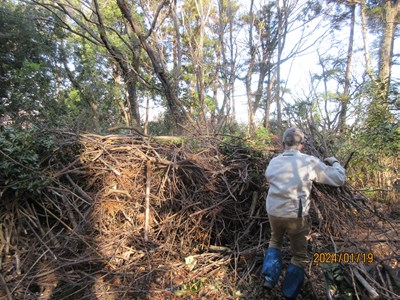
333	174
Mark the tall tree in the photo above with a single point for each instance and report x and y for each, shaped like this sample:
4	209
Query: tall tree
269	27
226	27
390	18
197	21
385	15
119	27
384	18
367	56
262	44
28	55
345	97
101	25
161	71
282	13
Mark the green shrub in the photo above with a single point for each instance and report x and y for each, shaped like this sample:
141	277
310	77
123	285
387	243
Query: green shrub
21	154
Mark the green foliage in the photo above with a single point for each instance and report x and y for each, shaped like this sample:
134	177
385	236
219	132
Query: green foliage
27	53
163	126
381	131
239	143
191	288
21	156
336	281
376	140
261	138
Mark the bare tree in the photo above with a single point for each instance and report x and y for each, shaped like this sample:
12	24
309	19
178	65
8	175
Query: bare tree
269	28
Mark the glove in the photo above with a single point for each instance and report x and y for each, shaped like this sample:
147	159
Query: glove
330	160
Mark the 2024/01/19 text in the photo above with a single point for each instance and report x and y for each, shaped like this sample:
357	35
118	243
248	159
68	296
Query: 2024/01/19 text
343	257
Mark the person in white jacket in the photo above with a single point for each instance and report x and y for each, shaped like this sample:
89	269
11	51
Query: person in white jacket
290	176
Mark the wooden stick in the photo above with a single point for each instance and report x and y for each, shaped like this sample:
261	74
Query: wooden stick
253	203
80	190
372	292
147	201
354	283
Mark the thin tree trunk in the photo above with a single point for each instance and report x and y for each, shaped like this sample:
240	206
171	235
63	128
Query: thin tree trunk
203	15
232	74
278	66
215	90
146	123
223	70
248	79
346	92
119	101
260	86
271	83
177	52
131	81
90	102
200	74
365	41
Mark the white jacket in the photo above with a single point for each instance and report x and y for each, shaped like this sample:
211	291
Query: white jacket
290	176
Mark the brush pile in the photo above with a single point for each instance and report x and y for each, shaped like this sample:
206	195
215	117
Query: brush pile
124	217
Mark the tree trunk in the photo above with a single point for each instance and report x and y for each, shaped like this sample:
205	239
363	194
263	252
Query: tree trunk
223	70
260	86
346	93
87	97
249	74
119	101
146	123
278	67
178	111
214	110
177	53
365	41
200	67
391	10
130	79
231	111
268	98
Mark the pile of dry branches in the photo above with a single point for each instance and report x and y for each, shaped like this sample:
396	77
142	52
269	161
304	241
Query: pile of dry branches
134	218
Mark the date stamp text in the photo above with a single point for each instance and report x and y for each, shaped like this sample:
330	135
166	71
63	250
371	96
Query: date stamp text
343	257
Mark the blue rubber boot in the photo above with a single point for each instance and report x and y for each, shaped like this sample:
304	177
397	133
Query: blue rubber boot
272	266
293	281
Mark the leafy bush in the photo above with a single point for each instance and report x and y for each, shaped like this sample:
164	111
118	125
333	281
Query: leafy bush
262	137
21	154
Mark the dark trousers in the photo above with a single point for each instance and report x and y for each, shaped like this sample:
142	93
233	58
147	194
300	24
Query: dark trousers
297	230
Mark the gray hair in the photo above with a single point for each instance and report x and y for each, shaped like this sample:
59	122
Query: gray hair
293	137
